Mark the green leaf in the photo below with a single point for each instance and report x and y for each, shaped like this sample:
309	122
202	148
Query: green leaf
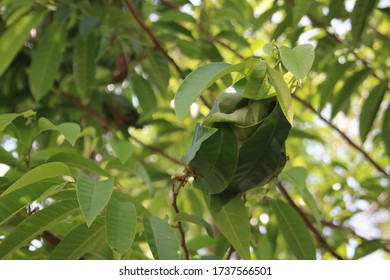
135	167
386	130
348	89
370	109
201	134
359	17
93	196
122	150
335	73
161	238
262	156
300	9
214	163
79	161
42	172
255	80
184	217
298	60
264	250
156	66
121	221
12	203
13	38
144	93
367	247
232	220
294	231
71	131
283	93
35	224
305	134
199	80
46	60
175	16
297	177
84	50
6	119
80	240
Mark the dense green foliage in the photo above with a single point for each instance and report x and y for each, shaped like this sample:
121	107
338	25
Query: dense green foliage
175	129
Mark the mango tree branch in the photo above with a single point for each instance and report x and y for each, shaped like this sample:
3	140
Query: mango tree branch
342	134
308	223
176	186
155	41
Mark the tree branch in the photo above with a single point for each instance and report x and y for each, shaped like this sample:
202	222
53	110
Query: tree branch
310	226
175	193
342	134
104	122
156	42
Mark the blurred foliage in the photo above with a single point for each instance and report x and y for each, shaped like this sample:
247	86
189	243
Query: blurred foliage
91	146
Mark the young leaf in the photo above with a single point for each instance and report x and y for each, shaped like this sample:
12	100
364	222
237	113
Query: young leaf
84	49
121	221
370	109
35	224
294	231
348	89
298	60
297	177
361	12
214	163
46	60
80	240
13	38
199	80
232	220
282	92
300	9
42	172
93	196
161	238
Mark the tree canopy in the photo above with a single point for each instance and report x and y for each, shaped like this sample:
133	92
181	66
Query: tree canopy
177	129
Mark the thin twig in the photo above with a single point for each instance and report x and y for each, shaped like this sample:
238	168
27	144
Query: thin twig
205	31
310	226
156	42
175	192
158	150
342	134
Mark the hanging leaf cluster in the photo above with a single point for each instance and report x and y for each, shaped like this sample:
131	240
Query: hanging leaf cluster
240	144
